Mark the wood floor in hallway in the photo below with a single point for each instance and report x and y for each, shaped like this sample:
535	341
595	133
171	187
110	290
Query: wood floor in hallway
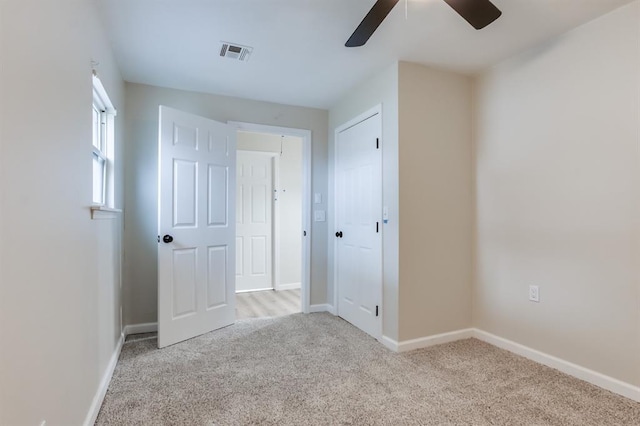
267	303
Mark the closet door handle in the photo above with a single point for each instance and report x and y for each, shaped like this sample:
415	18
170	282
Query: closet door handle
339	234
167	238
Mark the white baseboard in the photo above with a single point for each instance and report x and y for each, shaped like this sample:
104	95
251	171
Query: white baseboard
323	307
389	343
424	342
606	382
98	398
290	286
147	327
255	289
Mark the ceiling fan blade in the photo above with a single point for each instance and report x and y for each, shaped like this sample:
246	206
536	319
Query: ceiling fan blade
479	13
371	22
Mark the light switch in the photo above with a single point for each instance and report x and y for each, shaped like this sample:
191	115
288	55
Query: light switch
317	198
319	215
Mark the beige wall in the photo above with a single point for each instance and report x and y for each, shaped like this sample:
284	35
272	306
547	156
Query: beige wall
436	211
558	184
381	88
140	268
289	226
427	185
60	270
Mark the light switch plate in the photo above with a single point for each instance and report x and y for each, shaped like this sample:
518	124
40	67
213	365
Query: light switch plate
317	198
534	293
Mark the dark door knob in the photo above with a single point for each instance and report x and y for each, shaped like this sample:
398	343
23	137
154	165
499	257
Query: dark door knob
339	234
167	239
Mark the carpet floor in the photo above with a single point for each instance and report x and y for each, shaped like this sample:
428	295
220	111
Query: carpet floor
317	369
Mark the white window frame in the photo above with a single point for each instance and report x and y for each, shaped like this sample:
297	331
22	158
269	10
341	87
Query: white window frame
105	150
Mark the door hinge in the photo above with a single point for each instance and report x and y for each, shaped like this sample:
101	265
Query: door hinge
377	143
377	226
376	310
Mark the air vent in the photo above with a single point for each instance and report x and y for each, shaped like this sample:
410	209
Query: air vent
235	51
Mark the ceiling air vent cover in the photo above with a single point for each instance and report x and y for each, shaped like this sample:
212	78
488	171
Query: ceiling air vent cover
235	51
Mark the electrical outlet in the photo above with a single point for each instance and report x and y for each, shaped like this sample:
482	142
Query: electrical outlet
534	293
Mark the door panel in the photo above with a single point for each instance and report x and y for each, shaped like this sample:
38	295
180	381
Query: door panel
196	294
358	210
258	203
184	281
254	223
258	255
216	276
185	189
218	196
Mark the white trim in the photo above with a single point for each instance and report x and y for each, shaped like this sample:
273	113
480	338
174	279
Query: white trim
102	212
598	379
98	398
102	95
305	288
275	222
425	342
323	307
606	382
147	327
389	343
253	290
376	110
101	99
290	286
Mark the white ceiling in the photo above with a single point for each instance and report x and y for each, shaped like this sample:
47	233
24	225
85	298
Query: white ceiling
299	56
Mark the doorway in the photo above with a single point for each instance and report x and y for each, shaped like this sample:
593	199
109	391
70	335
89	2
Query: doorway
272	221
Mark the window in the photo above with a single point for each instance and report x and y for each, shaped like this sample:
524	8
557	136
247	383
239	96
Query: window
103	149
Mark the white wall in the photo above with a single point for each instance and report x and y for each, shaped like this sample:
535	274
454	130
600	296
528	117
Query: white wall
436	209
381	88
140	269
289	226
557	187
59	290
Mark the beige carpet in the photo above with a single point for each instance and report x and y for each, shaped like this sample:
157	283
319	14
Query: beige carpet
319	370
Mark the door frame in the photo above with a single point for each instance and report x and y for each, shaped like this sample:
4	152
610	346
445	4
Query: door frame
305	135
376	110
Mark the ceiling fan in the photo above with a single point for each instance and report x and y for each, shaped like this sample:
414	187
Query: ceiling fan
479	13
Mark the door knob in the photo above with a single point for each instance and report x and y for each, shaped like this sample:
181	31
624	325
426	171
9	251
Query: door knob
339	234
167	238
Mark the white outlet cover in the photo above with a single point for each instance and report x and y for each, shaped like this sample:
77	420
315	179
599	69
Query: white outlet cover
534	293
319	215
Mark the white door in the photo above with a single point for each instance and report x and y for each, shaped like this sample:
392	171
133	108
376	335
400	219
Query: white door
359	225
254	206
196	207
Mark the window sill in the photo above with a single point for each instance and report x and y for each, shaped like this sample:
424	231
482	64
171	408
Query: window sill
102	212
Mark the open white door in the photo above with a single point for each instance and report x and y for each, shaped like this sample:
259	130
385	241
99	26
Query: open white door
196	226
359	225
